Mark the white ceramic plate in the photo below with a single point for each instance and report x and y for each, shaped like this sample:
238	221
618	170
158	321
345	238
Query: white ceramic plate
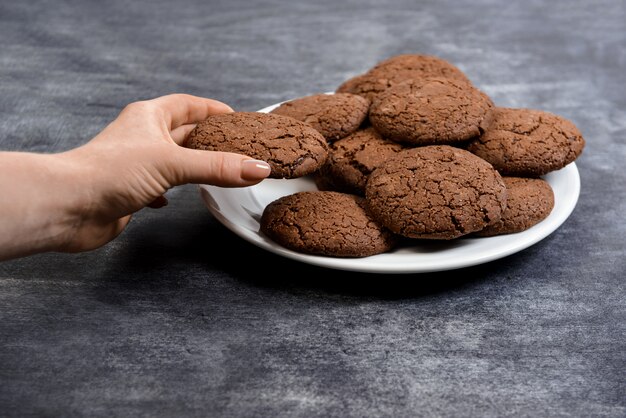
240	209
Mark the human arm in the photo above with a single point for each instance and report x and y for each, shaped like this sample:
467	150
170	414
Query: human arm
80	199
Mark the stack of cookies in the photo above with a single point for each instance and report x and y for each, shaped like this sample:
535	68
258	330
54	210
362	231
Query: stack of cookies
411	149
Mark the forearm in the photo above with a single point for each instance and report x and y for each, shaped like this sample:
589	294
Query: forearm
39	200
83	198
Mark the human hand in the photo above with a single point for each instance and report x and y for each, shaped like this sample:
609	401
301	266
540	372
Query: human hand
93	190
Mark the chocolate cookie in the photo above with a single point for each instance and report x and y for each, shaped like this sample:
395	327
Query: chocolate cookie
427	65
527	142
529	201
353	158
292	148
431	111
435	192
398	69
325	223
333	115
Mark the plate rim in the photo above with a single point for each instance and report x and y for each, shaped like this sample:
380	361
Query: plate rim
529	238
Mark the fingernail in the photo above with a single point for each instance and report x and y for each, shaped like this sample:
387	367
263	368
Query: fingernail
254	169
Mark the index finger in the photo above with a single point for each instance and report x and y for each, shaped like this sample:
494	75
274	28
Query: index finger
182	109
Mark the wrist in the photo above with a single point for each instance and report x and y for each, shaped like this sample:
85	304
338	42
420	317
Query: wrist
45	202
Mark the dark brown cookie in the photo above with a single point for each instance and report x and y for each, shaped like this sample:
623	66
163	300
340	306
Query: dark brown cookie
325	223
333	115
292	148
353	158
527	142
435	192
431	111
529	201
398	69
426	65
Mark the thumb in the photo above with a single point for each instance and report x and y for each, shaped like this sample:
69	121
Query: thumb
218	168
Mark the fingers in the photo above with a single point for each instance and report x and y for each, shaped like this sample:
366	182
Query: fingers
218	168
179	134
182	109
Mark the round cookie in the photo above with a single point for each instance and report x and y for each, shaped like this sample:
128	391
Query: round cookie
292	148
352	159
528	142
421	66
528	202
431	111
333	115
325	223
435	192
398	69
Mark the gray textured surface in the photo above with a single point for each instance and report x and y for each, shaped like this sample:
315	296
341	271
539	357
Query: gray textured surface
158	323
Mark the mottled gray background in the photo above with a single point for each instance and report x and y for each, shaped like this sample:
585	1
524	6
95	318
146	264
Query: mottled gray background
159	323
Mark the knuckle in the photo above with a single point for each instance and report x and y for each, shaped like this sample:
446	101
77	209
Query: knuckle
140	107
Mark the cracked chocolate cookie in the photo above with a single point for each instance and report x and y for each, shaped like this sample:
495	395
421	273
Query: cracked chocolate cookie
292	148
529	201
333	115
398	69
325	223
435	192
352	159
528	142
431	111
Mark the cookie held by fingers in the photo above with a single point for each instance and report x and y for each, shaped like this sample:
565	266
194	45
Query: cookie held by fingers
292	148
